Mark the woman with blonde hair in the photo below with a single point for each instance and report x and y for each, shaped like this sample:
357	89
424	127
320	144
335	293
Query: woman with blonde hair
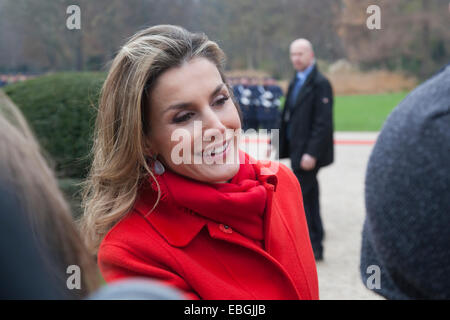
170	196
51	236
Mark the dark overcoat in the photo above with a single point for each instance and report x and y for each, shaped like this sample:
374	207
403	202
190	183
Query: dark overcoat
311	119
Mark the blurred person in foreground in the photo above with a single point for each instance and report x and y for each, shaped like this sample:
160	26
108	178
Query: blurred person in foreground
42	239
215	225
406	235
39	240
306	133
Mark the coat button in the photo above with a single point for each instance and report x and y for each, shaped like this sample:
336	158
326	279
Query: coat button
225	228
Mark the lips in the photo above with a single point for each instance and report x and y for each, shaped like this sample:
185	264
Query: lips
216	150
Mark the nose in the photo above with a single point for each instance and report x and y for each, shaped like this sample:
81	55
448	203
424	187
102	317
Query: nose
213	128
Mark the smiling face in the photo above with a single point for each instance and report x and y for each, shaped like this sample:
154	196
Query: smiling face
194	119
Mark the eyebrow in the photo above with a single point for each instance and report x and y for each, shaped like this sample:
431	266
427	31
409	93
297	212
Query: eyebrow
184	105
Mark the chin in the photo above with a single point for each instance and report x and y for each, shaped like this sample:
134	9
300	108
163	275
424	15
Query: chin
218	173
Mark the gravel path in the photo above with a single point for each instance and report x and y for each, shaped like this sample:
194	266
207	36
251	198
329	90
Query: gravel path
343	211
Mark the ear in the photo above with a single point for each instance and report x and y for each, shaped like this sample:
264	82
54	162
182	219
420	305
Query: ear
148	148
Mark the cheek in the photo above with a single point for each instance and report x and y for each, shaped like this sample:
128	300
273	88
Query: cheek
180	143
162	139
163	144
231	118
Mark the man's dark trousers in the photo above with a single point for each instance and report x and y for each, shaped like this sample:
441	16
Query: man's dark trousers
310	192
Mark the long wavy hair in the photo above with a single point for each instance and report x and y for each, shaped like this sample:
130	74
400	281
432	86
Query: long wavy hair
27	174
120	159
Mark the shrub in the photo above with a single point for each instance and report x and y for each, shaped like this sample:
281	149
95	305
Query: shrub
61	110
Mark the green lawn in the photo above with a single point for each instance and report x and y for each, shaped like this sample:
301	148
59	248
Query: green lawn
364	112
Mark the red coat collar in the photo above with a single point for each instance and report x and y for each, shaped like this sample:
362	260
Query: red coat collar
177	225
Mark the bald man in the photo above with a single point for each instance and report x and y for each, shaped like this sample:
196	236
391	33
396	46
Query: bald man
306	134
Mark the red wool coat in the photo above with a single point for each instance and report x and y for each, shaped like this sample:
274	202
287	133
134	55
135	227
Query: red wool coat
206	259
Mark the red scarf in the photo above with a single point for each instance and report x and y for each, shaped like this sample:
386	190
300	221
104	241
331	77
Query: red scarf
239	203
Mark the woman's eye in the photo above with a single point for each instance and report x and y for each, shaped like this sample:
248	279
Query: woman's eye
183	118
221	101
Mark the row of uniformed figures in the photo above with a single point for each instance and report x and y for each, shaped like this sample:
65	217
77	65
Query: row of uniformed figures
259	102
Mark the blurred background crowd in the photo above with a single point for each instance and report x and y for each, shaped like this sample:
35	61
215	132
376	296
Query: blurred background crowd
260	102
6	79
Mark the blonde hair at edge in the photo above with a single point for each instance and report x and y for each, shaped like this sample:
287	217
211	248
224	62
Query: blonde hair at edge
119	150
26	172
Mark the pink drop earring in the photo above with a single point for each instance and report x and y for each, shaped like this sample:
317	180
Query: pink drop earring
157	166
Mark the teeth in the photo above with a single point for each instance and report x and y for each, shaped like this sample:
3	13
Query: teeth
218	150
